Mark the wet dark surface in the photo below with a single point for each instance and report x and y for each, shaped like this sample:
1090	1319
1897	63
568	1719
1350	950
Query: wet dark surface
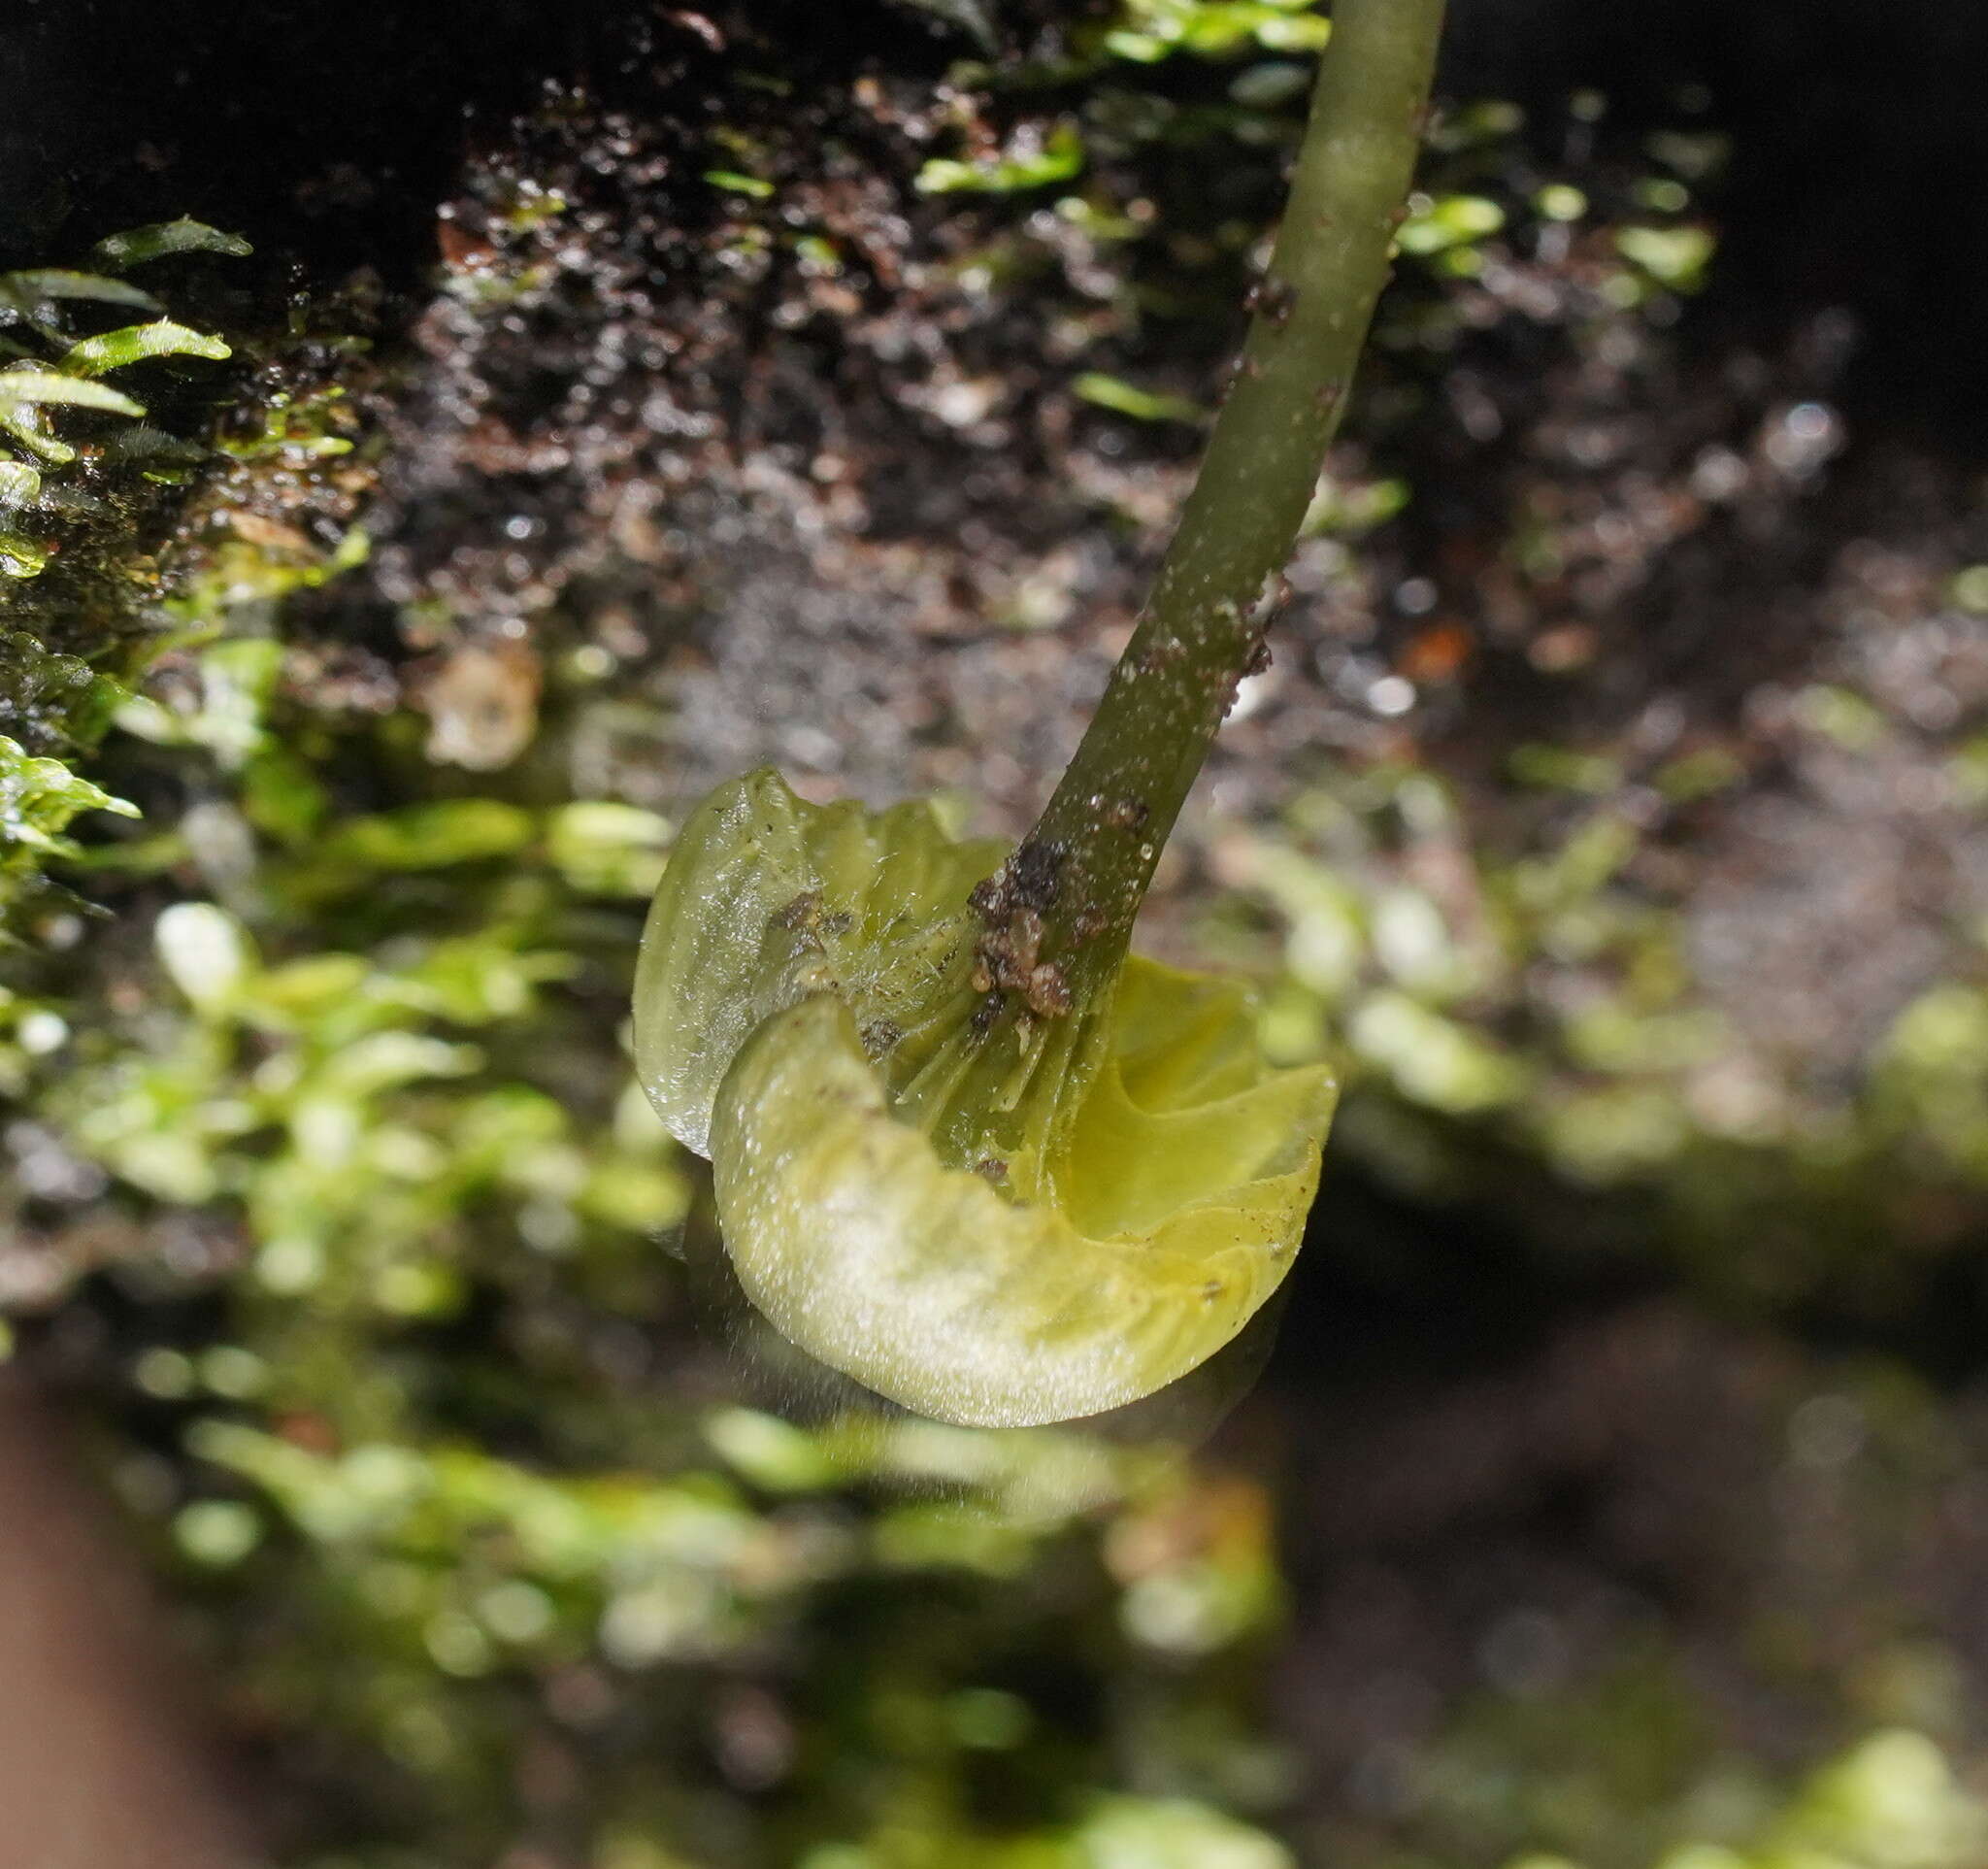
1860	130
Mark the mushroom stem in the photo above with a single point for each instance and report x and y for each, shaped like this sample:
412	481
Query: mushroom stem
1093	851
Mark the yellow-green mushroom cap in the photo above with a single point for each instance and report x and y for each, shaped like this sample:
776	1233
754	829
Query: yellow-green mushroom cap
993	1237
768	898
924	1282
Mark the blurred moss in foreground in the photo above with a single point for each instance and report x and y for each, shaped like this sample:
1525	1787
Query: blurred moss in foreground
1893	1802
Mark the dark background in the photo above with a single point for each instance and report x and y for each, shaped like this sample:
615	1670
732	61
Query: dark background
1863	129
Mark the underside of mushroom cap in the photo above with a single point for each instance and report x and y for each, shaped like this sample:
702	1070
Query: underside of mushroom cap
928	1282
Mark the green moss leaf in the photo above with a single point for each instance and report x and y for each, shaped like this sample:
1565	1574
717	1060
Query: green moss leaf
28	423
27	387
739	183
20	484
1128	399
35	290
432	836
138	244
20	557
1674	256
38	798
1060	156
1453	220
161	338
